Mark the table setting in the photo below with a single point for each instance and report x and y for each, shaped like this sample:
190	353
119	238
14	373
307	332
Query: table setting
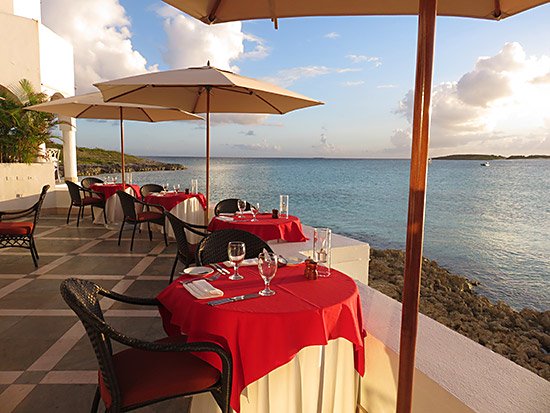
267	304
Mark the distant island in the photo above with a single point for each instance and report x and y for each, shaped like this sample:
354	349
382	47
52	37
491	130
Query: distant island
96	161
483	157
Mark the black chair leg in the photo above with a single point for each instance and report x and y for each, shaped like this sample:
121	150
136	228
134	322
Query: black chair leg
150	232
164	232
95	403
34	259
69	214
120	232
93	217
104	215
173	269
33	246
133	235
80	211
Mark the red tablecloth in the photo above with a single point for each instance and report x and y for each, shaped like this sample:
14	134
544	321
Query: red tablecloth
267	332
108	190
170	199
266	227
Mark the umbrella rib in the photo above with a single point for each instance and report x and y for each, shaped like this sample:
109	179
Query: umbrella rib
146	114
84	111
250	92
212	15
126	93
197	100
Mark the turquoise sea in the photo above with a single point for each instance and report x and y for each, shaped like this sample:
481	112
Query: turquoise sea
491	224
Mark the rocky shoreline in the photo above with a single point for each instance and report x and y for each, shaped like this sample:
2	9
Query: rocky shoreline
94	169
521	336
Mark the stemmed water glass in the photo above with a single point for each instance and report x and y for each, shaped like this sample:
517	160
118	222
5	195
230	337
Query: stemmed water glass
255	210
165	187
267	265
241	205
176	188
236	250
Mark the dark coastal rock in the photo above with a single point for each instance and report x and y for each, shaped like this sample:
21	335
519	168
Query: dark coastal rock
84	169
521	336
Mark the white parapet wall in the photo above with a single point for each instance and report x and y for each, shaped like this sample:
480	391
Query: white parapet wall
20	182
453	373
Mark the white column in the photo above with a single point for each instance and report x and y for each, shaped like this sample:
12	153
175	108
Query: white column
68	129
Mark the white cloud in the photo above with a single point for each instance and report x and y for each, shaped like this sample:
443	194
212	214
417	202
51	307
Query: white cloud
100	33
259	146
353	83
355	58
324	145
500	106
331	35
388	86
287	77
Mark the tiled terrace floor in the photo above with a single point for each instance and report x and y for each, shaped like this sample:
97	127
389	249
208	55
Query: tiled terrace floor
46	361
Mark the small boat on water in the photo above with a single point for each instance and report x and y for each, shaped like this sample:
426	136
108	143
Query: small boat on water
486	164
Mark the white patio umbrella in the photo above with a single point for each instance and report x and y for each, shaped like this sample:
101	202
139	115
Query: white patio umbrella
219	11
92	106
205	90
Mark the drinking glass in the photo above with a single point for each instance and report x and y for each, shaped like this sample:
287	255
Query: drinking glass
165	187
115	179
236	250
283	206
322	251
255	210
176	188
194	186
267	265
241	205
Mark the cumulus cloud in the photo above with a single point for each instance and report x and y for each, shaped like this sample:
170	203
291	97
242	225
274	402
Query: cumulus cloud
500	104
331	35
353	83
100	33
259	146
356	58
388	86
287	77
249	132
324	145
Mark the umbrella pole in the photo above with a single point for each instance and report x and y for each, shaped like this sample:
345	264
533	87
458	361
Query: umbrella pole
122	149
207	195
417	202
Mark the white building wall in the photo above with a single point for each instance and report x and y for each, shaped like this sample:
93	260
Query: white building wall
27	8
56	63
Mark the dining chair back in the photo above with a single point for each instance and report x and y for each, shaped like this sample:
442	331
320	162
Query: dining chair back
134	217
82	197
149	188
20	234
213	248
185	251
89	181
146	372
228	206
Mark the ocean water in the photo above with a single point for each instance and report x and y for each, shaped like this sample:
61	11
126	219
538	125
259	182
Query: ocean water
491	224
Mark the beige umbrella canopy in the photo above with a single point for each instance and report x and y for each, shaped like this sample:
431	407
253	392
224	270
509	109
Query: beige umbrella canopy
210	12
92	106
205	90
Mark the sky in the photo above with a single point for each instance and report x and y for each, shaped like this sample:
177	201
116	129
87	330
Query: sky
491	89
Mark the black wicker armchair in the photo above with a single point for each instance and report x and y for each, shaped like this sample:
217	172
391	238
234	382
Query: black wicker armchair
20	234
150	188
213	248
147	372
128	203
81	198
228	206
89	181
186	251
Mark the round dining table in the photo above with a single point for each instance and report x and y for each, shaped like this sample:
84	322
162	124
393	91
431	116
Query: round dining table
113	208
264	333
264	226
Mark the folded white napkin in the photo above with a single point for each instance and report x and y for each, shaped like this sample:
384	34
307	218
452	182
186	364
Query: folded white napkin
248	262
226	219
202	289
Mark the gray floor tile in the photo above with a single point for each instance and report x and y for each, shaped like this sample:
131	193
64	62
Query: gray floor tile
58	246
22	264
84	232
80	357
162	266
111	247
46	398
96	265
145	288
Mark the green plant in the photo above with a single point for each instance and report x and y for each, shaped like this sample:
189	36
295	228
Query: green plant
22	131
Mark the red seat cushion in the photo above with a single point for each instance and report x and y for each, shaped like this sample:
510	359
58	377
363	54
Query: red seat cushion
150	375
90	200
16	228
149	215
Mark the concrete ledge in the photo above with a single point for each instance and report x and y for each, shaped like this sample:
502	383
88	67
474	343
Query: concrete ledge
453	374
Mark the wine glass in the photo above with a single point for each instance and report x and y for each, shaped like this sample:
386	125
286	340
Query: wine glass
165	187
176	188
236	250
255	210
267	265
115	179
241	205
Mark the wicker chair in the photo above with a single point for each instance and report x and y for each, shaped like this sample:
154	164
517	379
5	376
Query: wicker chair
89	181
214	247
228	206
81	198
149	188
20	234
147	372
128	203
186	251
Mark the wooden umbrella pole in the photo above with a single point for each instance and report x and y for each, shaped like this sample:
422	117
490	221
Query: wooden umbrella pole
207	195
122	149
417	202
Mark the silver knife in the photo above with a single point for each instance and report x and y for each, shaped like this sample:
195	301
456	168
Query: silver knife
221	269
233	299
